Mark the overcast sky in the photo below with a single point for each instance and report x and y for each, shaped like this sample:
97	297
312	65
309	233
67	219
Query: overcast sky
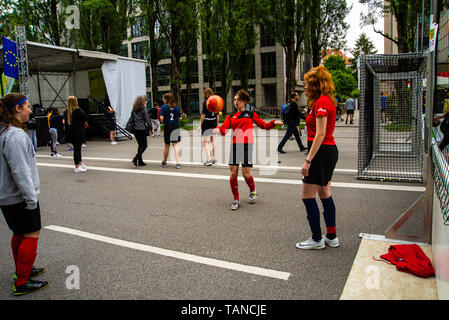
355	30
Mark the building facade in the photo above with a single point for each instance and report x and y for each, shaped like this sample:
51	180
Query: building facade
267	81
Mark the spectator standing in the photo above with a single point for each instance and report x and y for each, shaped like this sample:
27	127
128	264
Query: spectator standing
350	107
141	125
111	116
19	189
154	116
32	127
77	121
292	119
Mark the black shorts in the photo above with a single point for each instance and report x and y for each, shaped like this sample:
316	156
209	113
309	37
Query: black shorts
171	134
208	127
323	165
349	111
241	153
112	126
21	220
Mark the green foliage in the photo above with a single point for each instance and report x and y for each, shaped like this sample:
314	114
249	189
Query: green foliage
334	62
362	46
344	82
286	22
327	28
405	13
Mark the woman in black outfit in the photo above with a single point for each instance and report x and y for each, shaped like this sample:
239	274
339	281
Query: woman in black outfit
76	122
141	124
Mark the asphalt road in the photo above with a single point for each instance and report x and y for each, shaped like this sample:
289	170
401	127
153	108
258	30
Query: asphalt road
118	218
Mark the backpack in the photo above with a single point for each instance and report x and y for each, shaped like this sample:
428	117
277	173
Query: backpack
284	110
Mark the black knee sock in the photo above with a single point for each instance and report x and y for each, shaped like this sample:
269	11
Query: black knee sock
313	216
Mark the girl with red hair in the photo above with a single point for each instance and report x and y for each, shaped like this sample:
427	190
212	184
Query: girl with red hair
320	162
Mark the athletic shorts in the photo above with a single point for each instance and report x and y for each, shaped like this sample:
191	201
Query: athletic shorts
241	153
171	134
208	127
323	165
350	111
112	126
21	220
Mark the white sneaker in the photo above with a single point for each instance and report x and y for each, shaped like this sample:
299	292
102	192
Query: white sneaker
114	142
56	155
235	205
311	244
252	197
334	243
84	145
80	169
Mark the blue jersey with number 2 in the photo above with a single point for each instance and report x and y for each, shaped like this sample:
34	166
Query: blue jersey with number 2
171	116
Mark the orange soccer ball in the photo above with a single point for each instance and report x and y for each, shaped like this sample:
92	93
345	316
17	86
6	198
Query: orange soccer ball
215	104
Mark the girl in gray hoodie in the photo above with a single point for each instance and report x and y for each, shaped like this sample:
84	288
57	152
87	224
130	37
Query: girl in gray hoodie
19	187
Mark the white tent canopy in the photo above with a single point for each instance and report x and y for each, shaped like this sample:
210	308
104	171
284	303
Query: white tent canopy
65	70
124	80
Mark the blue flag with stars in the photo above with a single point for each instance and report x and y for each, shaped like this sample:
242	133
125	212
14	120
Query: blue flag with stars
10	58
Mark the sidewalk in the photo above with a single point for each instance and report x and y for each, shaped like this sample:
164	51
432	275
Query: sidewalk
376	280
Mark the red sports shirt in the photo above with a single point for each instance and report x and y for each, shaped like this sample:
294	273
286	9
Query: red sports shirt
323	107
242	125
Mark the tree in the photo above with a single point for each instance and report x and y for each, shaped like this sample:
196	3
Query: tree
228	37
344	82
173	17
286	22
158	42
189	38
109	19
362	46
327	27
403	11
43	20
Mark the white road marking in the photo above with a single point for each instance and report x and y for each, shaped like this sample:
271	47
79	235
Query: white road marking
226	177
175	254
223	165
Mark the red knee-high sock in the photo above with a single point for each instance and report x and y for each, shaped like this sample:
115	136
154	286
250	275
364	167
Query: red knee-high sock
25	259
15	244
234	188
251	184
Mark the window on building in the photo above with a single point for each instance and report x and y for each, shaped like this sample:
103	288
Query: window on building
140	50
157	27
206	72
194	100
268	64
265	38
148	76
137	29
163	43
163	75
306	66
193	71
252	69
124	50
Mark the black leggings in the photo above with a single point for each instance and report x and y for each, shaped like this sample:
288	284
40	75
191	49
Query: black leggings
77	152
142	144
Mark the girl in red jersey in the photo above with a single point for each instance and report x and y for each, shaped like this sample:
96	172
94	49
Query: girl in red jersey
241	123
320	162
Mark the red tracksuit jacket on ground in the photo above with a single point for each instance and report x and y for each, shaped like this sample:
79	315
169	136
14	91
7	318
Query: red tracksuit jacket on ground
410	258
242	125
